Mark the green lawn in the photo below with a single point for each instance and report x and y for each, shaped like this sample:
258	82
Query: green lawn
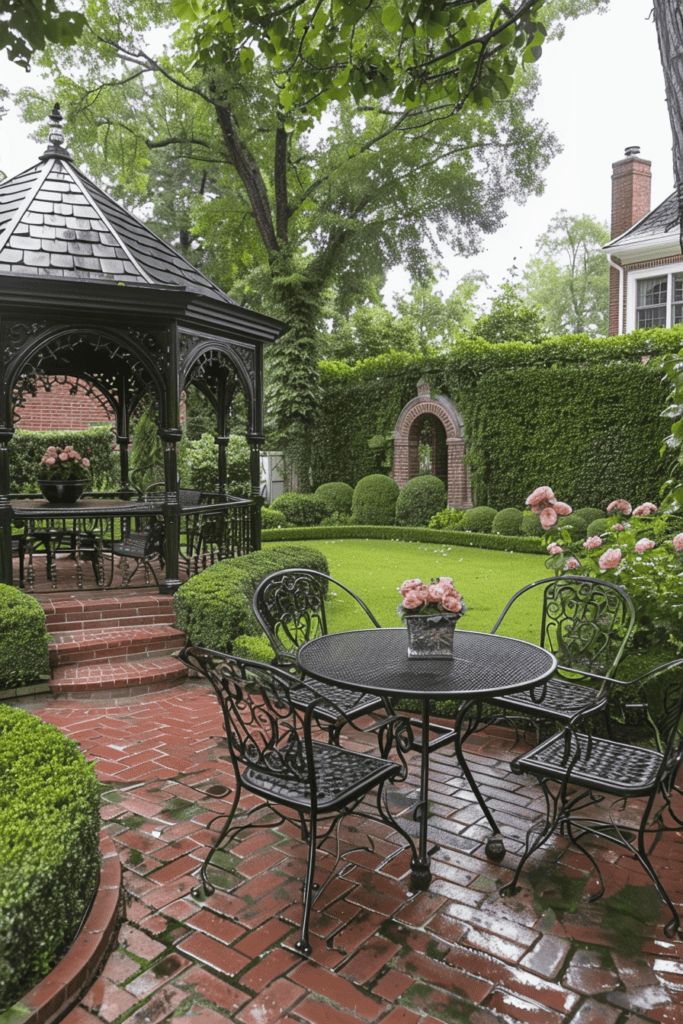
375	569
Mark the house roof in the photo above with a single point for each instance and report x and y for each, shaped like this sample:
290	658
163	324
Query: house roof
661	223
57	223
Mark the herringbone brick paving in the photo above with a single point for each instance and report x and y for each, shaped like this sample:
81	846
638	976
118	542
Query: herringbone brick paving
458	953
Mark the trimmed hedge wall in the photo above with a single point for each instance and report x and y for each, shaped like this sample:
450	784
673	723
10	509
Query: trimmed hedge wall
28	446
582	412
23	639
214	607
422	535
49	848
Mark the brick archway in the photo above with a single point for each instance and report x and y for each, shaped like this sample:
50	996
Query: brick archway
441	414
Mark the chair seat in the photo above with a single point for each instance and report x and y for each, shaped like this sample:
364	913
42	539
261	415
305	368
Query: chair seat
342	777
605	765
557	698
348	701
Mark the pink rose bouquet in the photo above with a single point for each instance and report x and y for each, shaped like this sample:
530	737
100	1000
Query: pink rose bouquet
437	597
543	502
648	508
64	463
619	507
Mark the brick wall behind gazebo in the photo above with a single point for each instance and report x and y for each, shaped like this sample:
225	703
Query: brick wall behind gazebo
57	409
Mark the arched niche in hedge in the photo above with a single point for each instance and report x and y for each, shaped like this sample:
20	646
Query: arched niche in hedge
442	422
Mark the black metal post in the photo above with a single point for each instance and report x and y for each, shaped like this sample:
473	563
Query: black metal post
6	574
255	442
123	437
222	436
170	433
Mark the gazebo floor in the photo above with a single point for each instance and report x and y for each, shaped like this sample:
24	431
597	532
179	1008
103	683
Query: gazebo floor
458	953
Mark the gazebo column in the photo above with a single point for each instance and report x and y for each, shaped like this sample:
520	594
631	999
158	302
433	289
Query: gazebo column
255	442
171	434
6	575
222	437
123	437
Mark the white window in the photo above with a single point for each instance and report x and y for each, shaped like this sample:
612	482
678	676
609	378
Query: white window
655	300
651	302
677	300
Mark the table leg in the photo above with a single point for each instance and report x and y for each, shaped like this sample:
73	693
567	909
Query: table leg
495	848
420	874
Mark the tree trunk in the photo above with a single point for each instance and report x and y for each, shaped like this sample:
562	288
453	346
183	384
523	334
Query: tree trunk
668	15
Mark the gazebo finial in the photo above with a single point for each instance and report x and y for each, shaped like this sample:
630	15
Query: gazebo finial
56	148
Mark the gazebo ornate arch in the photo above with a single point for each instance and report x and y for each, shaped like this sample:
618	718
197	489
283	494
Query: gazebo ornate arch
448	444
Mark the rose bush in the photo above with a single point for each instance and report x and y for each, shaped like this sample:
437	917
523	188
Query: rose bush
64	464
439	596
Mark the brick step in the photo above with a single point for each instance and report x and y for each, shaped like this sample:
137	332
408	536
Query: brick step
114	643
117	678
68	612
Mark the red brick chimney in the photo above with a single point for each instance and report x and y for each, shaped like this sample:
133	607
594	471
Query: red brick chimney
631	197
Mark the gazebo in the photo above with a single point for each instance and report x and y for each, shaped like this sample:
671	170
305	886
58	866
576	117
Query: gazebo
88	292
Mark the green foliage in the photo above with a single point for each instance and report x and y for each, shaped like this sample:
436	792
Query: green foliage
337	496
508	522
374	500
598	526
27	447
419	500
271	519
201	465
672	450
414	534
49	847
447	519
255	648
214	607
28	27
575	524
589	513
510	318
478	519
23	639
300	509
531	526
147	451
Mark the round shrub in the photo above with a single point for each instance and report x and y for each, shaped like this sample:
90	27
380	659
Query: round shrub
478	519
23	651
447	519
300	509
598	526
271	519
420	499
508	522
254	648
337	497
575	523
588	514
49	847
531	524
374	500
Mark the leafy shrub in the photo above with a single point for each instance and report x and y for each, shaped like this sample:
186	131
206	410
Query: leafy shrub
598	526
27	447
415	534
300	509
588	514
531	526
200	460
214	607
447	519
338	497
336	519
49	847
576	524
420	499
478	519
255	648
374	500
23	646
271	519
508	522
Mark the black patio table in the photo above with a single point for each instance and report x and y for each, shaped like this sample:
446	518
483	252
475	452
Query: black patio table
483	666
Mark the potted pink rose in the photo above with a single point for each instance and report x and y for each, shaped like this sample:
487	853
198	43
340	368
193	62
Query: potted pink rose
64	474
430	611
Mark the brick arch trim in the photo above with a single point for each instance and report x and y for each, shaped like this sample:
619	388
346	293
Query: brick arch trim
405	445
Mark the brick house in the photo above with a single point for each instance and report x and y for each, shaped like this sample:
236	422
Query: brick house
646	272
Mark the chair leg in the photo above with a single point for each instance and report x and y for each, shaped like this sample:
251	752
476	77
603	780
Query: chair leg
672	926
544	833
303	944
206	888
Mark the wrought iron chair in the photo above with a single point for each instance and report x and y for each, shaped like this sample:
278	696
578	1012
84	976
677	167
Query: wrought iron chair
290	607
579	771
143	547
275	757
586	623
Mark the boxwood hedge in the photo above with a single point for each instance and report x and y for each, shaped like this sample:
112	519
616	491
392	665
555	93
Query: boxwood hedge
28	446
421	535
23	639
214	607
49	848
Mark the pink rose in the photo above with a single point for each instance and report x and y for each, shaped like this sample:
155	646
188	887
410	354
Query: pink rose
405	586
541	497
412	601
678	543
562	508
593	542
421	592
648	508
51	450
643	545
554	549
619	505
63	457
548	517
446	580
86	463
610	559
452	603
572	563
50	460
437	593
618	527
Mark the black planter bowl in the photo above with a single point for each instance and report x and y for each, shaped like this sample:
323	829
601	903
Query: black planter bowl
63	492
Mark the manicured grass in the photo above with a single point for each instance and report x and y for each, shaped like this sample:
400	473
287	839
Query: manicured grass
486	579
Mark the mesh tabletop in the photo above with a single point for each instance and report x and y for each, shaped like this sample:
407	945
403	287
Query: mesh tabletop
40	508
376	660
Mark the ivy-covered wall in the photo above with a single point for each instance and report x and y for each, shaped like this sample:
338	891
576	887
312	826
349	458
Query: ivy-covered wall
580	413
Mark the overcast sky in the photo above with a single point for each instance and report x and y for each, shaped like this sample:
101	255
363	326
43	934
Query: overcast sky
602	90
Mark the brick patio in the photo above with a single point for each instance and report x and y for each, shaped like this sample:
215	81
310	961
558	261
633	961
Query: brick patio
459	953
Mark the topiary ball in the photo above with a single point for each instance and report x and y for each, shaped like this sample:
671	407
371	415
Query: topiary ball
337	497
598	526
420	499
588	514
531	525
508	522
271	519
300	509
374	500
447	519
575	523
478	519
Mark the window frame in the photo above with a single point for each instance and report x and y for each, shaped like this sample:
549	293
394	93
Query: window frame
668	270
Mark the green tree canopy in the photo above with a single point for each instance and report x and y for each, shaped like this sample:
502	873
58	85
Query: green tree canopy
29	25
510	317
